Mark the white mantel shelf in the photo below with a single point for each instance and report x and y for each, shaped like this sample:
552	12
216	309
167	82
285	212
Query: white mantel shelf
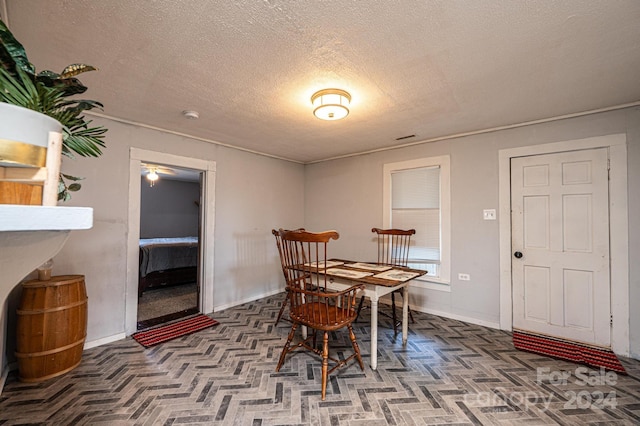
29	236
44	218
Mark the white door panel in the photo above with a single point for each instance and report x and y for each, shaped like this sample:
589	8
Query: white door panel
536	293
560	224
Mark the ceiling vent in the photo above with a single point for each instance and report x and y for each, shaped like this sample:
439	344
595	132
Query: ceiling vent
405	137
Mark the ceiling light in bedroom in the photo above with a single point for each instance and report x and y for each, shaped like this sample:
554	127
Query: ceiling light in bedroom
331	104
191	115
152	177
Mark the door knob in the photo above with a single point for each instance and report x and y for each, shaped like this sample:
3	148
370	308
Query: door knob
517	255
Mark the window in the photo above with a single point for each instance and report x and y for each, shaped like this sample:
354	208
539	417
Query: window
416	195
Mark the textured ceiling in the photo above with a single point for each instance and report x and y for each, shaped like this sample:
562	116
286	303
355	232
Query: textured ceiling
424	68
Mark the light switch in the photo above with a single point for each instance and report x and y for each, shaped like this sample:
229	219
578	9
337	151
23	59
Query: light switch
489	214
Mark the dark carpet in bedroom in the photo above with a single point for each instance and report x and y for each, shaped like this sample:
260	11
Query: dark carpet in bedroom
164	304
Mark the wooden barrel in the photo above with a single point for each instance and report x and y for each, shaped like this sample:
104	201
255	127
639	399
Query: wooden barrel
51	327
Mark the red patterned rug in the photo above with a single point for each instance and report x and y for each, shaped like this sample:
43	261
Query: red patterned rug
565	349
174	330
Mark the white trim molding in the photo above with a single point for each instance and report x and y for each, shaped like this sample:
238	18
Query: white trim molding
104	341
208	168
449	315
444	162
249	299
619	228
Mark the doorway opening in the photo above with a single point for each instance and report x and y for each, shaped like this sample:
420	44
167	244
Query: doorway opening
170	227
618	228
205	269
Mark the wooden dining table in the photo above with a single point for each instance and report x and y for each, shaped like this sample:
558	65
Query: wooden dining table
378	280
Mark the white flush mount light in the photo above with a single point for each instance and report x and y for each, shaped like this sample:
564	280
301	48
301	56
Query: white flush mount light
331	104
191	115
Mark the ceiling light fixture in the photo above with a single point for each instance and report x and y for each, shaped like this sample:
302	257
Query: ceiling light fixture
191	115
152	177
331	104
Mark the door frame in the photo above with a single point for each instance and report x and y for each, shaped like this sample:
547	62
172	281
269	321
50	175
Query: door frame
206	270
618	228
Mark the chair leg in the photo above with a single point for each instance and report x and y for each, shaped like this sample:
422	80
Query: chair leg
287	345
409	308
284	305
325	363
359	308
393	307
356	348
393	313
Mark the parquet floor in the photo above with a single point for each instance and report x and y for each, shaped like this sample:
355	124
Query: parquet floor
449	373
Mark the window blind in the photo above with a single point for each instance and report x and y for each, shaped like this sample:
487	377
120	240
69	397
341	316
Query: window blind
415	203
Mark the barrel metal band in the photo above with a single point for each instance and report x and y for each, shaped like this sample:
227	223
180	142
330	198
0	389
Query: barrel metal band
56	309
22	153
51	351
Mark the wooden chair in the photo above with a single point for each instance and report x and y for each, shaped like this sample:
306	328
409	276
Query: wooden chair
393	249
311	303
283	306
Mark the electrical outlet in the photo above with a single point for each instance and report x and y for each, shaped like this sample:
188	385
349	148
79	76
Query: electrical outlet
464	277
489	214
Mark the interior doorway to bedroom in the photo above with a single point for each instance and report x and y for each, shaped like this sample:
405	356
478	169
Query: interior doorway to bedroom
206	259
170	230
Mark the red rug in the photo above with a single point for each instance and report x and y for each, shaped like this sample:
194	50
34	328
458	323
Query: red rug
566	349
168	332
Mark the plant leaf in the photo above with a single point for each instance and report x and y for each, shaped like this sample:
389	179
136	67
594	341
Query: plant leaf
48	92
72	86
69	177
81	105
47	77
19	90
75	69
12	54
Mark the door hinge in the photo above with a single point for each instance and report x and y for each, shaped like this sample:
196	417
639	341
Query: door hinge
611	320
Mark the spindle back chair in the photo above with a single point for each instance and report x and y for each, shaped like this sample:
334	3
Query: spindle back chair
393	249
311	302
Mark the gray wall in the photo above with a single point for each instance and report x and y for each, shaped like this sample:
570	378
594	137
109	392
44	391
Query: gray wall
253	195
169	209
346	195
256	193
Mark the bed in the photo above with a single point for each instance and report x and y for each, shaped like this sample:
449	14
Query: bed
167	261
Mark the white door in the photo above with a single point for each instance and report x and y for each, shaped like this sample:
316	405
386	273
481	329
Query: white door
560	245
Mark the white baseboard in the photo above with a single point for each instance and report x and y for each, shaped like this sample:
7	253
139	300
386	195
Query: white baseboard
463	318
247	300
119	336
490	324
104	340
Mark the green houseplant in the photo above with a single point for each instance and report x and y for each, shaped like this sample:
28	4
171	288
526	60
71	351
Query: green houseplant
49	93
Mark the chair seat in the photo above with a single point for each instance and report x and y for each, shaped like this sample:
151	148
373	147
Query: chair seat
322	316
